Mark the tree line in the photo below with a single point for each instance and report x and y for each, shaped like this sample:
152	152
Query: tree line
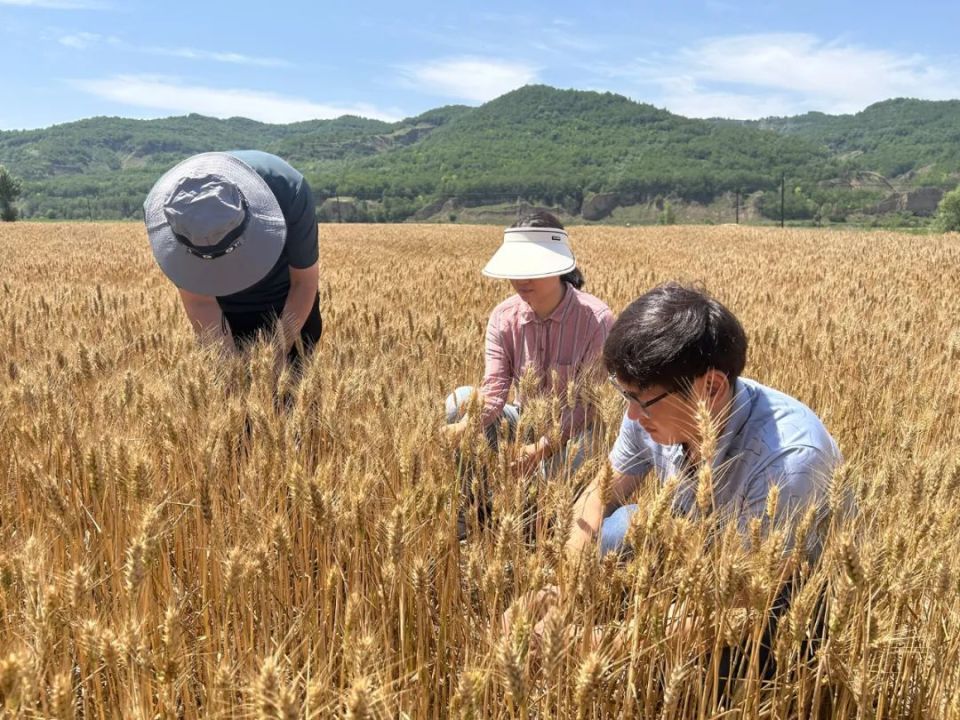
546	146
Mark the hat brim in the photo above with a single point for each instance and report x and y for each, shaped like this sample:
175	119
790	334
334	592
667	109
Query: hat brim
260	245
529	260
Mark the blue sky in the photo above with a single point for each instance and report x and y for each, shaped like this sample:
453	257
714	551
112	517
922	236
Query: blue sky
286	61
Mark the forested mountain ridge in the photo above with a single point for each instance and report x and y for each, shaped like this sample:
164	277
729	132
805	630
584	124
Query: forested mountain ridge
893	137
537	144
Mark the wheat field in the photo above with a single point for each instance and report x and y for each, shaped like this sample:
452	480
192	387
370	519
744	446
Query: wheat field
176	543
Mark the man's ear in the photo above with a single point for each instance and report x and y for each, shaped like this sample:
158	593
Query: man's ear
715	383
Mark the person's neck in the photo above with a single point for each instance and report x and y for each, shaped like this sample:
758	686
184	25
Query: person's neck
545	308
720	413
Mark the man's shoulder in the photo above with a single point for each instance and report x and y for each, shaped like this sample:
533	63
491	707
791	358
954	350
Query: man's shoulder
781	426
283	179
266	163
772	409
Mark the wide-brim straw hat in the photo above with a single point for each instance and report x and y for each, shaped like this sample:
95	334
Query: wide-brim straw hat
531	252
214	225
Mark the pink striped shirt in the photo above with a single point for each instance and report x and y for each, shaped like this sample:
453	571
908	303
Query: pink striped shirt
568	341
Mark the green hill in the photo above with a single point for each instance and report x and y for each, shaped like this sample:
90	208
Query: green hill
548	146
915	138
103	167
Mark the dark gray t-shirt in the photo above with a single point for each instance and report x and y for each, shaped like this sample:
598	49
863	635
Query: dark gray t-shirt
300	249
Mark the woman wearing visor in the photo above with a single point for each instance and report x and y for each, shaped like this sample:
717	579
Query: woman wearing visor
550	326
236	232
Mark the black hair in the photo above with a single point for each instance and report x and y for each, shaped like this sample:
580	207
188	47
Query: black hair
673	334
545	219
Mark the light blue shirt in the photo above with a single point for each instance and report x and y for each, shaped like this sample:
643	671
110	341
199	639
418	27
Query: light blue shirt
769	439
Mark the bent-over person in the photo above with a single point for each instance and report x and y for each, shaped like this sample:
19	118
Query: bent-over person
236	232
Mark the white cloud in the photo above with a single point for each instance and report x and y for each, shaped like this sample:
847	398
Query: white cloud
749	76
58	4
84	40
563	41
469	78
80	40
171	95
742	106
224	57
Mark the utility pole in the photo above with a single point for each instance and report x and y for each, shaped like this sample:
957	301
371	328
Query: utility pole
783	185
738	206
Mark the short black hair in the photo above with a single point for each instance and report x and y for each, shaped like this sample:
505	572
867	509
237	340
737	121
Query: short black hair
673	334
545	219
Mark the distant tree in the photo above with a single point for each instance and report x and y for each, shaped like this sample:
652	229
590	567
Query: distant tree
948	212
667	216
10	188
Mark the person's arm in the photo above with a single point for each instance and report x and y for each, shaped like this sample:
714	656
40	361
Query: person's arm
589	371
591	507
497	369
303	257
497	376
303	292
629	462
207	319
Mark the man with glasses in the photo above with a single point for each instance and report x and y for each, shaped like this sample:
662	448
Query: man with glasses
674	353
670	349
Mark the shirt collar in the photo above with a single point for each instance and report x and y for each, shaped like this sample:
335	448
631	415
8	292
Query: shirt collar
527	314
741	406
740	413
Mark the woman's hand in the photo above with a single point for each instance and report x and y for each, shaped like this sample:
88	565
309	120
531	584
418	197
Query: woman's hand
530	456
539	604
454	431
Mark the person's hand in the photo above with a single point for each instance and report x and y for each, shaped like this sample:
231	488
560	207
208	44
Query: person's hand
528	458
454	431
540	604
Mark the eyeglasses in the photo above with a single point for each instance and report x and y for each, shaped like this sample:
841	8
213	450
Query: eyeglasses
632	398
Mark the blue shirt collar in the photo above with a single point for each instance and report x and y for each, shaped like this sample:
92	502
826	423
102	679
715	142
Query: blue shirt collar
741	406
